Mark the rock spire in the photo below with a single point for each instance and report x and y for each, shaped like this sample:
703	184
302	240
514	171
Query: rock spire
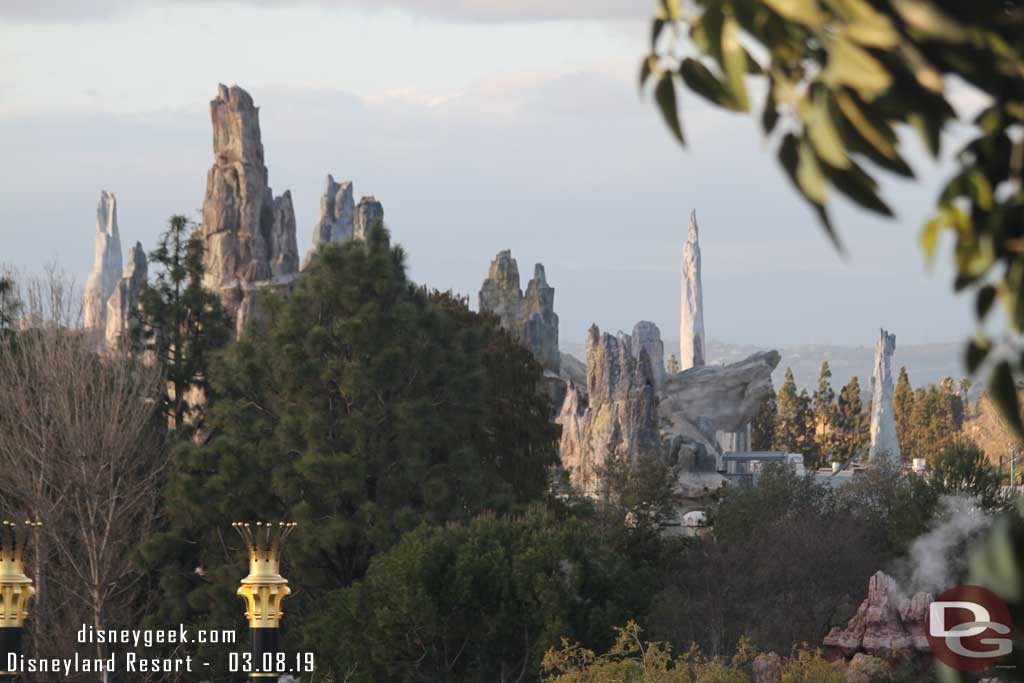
125	299
106	267
337	216
885	443
368	212
647	336
692	344
530	317
248	233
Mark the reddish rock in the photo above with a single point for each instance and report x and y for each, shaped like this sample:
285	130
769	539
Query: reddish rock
885	622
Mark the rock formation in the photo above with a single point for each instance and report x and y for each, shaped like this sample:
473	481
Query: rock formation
249	234
125	299
692	344
106	267
885	444
647	336
337	216
699	402
530	317
885	622
368	212
618	415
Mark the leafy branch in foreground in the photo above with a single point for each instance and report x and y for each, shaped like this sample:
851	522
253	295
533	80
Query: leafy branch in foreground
842	77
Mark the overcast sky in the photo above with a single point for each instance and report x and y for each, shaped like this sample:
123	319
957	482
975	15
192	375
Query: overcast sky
481	125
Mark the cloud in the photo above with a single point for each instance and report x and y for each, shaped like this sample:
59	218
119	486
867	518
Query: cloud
451	10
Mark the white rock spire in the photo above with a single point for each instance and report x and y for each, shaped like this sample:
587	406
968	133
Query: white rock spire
692	344
106	267
885	443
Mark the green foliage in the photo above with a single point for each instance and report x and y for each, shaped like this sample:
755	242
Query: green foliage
180	322
903	409
810	666
961	467
794	419
762	428
9	305
842	78
476	602
362	409
850	427
633	660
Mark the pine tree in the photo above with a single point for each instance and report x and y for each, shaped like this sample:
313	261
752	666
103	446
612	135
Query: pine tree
823	411
9	305
363	408
762	428
851	432
673	364
180	322
903	409
791	422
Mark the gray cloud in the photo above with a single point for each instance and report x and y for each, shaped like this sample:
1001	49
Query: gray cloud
453	10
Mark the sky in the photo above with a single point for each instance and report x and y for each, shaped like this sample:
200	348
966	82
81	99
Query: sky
481	125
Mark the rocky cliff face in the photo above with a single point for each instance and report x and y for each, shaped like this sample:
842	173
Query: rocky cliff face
885	622
125	299
692	344
699	402
530	317
248	233
368	212
618	414
106	267
337	216
647	336
884	441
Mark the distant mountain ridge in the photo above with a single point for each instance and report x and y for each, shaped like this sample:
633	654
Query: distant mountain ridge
925	363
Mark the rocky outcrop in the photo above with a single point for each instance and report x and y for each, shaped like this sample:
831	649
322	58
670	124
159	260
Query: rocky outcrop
699	402
368	212
885	444
249	235
337	216
125	300
530	317
106	267
767	668
617	415
692	344
647	336
886	622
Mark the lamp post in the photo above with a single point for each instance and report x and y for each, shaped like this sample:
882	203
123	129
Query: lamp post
15	591
264	589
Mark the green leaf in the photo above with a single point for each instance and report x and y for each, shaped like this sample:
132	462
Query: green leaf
876	132
808	174
823	133
657	26
856	184
930	130
975	354
770	114
700	80
646	69
797	158
928	20
734	62
665	96
1003	391
855	67
806	12
983	304
669	10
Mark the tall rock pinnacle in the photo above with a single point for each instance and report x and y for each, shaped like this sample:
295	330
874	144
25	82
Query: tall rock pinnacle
368	212
106	267
530	317
337	216
249	234
885	444
125	299
692	344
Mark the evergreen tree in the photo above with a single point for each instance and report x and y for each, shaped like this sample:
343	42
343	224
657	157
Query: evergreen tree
952	396
362	408
823	411
180	322
762	428
850	427
9	305
791	422
903	409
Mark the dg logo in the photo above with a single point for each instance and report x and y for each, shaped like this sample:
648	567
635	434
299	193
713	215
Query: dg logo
969	628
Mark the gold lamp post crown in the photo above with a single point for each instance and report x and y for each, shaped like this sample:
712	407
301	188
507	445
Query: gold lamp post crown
264	588
15	587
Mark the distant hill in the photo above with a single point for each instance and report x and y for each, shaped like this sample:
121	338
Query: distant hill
926	363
